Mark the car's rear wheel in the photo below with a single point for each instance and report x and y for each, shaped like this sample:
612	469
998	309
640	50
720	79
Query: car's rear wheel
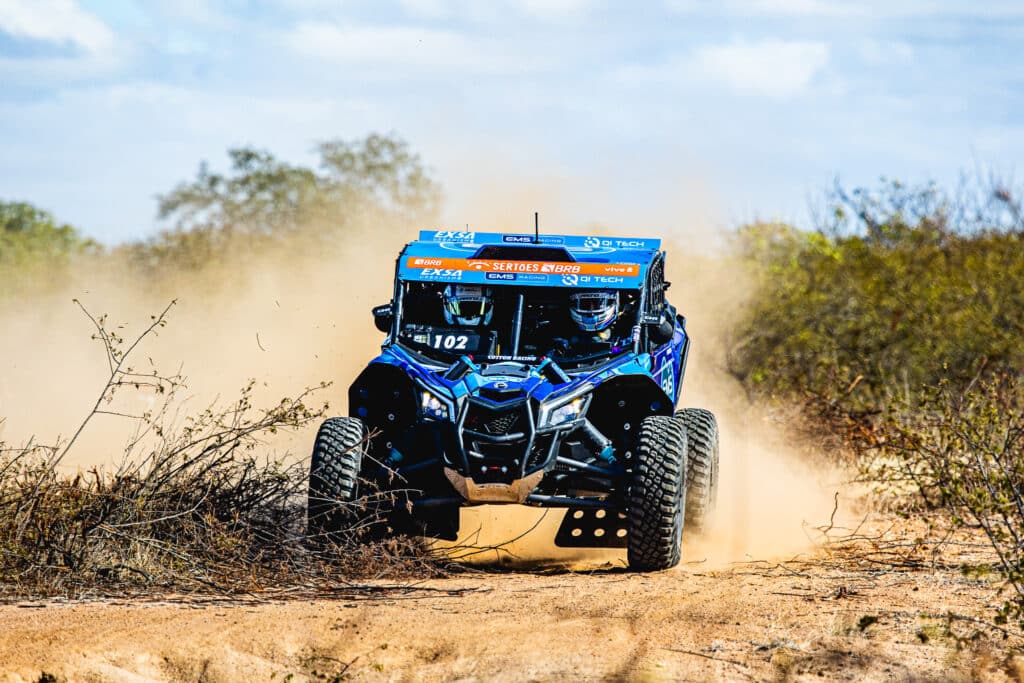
657	496
337	458
702	472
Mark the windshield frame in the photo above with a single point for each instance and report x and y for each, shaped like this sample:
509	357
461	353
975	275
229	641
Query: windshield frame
630	343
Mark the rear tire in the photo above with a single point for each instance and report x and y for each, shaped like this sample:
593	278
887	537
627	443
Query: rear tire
657	497
702	473
334	478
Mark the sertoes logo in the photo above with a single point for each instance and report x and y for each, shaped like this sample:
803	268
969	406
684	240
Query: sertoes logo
570	280
480	265
592	242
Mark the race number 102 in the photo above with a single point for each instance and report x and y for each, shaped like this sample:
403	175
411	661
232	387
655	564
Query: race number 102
451	342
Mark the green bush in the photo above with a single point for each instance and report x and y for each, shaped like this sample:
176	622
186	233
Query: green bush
861	314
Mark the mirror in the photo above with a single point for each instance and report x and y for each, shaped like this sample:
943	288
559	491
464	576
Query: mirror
383	317
661	332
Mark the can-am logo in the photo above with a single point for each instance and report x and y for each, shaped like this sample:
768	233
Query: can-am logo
454	236
500	276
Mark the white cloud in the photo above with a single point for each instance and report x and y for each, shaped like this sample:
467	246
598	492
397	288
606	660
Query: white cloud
885	52
769	68
552	8
408	47
870	9
760	7
776	68
54	21
496	11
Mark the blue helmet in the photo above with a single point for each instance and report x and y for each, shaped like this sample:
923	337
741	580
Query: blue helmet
594	311
467	305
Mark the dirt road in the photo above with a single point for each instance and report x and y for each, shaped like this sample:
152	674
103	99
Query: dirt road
844	616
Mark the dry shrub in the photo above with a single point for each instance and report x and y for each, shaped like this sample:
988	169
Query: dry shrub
963	451
193	505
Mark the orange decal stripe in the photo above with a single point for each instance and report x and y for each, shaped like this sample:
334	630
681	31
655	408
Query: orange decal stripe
547	267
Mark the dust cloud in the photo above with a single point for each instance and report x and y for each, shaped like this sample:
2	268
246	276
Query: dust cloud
294	320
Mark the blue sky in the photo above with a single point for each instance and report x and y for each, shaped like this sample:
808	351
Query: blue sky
589	110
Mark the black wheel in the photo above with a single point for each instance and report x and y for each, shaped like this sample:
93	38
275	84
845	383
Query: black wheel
702	473
334	478
657	496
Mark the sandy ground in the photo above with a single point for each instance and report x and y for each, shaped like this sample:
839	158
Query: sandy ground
825	615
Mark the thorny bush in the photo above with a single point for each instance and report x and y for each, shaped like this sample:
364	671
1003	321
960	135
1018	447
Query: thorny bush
194	505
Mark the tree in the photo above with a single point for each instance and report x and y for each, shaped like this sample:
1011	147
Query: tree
30	236
262	196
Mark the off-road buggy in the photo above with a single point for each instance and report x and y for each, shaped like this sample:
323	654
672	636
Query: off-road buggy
520	410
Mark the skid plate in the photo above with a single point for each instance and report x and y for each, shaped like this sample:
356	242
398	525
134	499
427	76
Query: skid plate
590	528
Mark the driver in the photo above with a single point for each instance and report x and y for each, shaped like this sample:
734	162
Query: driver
467	305
595	312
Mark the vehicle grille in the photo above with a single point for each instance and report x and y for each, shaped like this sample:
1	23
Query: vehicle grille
484	420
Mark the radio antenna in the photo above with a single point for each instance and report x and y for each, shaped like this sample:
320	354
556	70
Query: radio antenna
536	227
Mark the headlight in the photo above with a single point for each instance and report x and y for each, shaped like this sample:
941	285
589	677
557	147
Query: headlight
433	407
563	414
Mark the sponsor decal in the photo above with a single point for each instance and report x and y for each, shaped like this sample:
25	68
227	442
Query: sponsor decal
599	242
540	267
454	236
442	273
500	276
528	239
667	379
531	277
570	280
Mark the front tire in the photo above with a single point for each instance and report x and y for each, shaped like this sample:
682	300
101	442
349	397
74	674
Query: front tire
702	474
334	478
657	497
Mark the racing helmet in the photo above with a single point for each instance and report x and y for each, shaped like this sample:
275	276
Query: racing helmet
467	305
594	311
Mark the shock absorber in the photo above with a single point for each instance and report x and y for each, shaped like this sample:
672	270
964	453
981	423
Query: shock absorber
600	443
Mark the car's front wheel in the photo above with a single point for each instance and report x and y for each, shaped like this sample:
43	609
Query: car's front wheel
657	496
338	453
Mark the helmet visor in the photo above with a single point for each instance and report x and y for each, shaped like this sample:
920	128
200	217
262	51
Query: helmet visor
466	307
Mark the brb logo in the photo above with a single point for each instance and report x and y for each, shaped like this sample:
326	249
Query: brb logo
454	236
